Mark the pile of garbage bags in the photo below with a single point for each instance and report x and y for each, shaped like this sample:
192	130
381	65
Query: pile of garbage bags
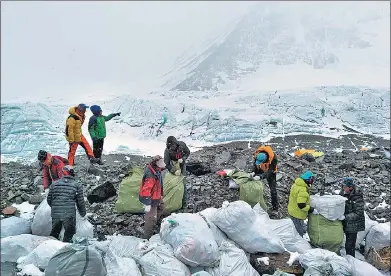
213	242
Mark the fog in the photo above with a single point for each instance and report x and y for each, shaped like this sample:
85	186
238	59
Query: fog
72	48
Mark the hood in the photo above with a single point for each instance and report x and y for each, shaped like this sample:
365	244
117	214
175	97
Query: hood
72	111
171	140
95	109
300	182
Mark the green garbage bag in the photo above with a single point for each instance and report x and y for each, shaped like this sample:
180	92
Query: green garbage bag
129	188
128	195
173	189
251	191
324	233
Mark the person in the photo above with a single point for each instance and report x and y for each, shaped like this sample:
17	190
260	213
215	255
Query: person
74	134
97	130
299	201
151	194
63	195
177	151
51	166
354	217
265	167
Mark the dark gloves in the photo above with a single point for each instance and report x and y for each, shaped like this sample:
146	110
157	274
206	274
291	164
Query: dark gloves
94	139
117	114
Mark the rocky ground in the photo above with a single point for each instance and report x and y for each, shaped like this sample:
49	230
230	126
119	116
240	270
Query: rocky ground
370	168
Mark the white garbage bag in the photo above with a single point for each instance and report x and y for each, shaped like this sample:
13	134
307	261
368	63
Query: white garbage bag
13	226
286	231
248	229
233	261
117	266
160	260
331	207
84	228
191	238
41	255
219	235
232	184
378	237
127	246
362	234
201	273
360	268
17	246
320	262
42	222
30	270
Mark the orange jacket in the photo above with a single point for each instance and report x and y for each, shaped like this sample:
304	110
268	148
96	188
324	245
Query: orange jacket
270	158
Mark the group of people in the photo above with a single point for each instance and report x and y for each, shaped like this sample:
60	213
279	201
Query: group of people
64	193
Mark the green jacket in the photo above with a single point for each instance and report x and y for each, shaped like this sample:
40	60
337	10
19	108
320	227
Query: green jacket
97	126
299	194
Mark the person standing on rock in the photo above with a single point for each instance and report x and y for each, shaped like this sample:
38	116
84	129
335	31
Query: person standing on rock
97	130
74	134
299	201
265	167
63	197
151	194
51	167
354	217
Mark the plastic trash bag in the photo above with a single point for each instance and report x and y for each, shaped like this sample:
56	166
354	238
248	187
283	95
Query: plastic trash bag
160	260
14	247
279	273
362	234
232	184
30	270
219	235
84	228
117	266
331	207
321	262
127	246
360	268
76	259
13	226
325	233
249	230
378	237
286	231
201	273
191	238
41	255
42	222
233	261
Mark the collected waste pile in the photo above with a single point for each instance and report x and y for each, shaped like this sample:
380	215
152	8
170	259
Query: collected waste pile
214	242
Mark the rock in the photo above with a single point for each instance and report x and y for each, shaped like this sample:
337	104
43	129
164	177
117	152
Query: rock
197	168
36	199
18	200
11	195
385	173
241	164
223	158
119	220
23	187
25	181
38	180
102	193
95	171
346	166
25	197
329	181
278	176
296	166
308	157
276	262
9	210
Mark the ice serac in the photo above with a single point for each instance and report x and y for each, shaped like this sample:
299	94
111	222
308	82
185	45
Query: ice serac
316	36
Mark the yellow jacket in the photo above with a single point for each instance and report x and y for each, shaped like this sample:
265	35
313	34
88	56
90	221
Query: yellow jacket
299	194
73	126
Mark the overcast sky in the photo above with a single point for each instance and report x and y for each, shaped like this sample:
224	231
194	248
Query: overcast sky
71	47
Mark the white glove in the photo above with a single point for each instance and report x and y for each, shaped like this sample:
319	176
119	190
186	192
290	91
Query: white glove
257	178
147	208
341	218
180	161
46	192
84	218
178	172
251	174
315	212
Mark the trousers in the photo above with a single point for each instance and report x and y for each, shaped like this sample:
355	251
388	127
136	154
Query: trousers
69	227
73	148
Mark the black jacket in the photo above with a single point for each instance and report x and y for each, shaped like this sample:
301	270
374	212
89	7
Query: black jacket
64	195
354	211
182	151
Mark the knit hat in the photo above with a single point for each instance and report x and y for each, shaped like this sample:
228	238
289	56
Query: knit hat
261	157
307	175
95	109
42	155
348	182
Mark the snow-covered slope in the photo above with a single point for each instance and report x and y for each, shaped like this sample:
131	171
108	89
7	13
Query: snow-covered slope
201	119
296	45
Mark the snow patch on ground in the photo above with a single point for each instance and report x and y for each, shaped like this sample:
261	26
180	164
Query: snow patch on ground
25	209
264	260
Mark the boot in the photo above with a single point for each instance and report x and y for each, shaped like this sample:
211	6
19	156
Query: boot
100	162
93	160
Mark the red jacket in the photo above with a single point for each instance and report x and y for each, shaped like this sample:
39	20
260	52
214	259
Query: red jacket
52	169
151	188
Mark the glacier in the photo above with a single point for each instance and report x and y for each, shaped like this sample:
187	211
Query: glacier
200	119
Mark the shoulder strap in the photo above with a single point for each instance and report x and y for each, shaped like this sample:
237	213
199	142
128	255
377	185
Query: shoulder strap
74	117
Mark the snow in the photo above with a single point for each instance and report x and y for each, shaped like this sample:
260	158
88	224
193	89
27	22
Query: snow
264	260
25	209
30	270
293	257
